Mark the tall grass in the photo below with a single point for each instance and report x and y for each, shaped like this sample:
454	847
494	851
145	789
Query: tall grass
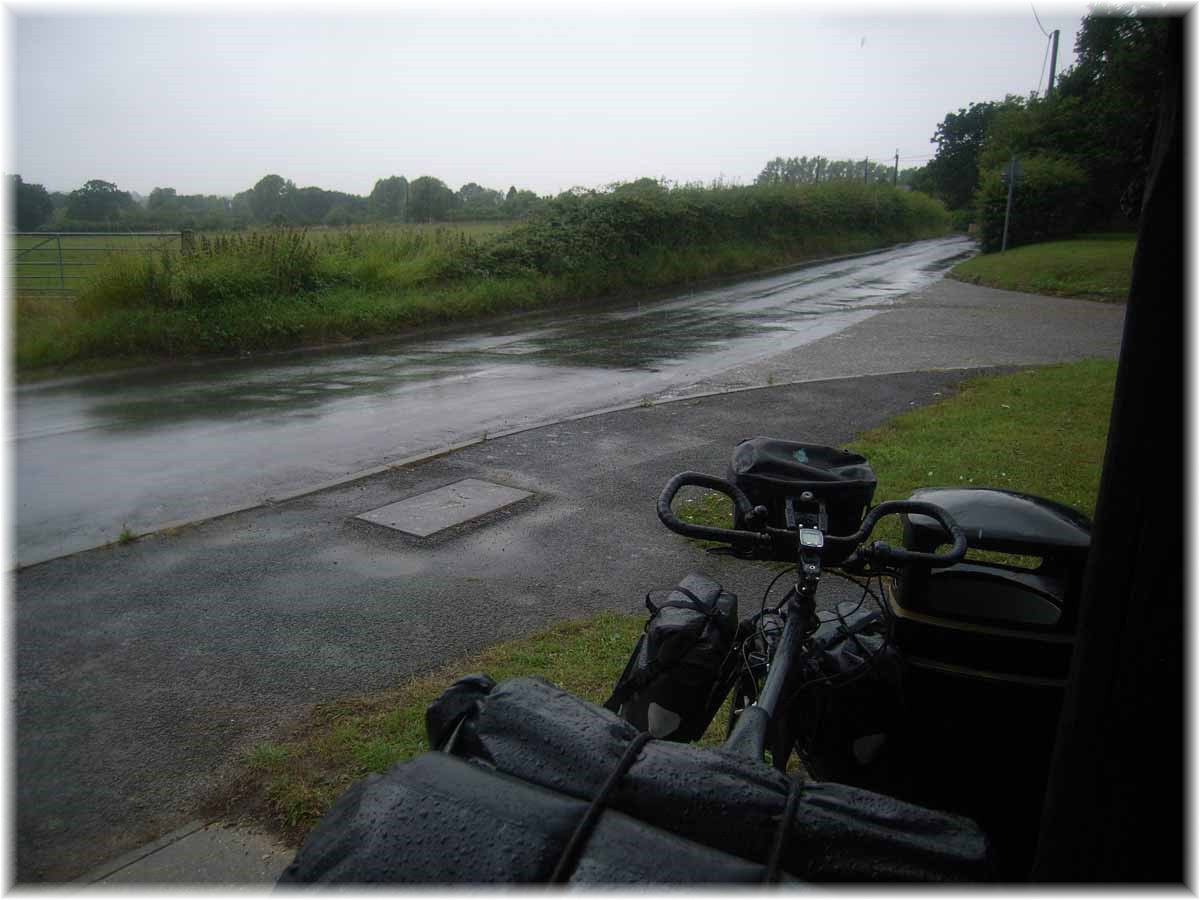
283	287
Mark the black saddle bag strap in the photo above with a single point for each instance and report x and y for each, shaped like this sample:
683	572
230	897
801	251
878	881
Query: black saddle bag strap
774	863
696	603
569	857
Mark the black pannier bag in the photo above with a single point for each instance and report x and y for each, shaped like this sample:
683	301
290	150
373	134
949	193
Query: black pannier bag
537	785
668	686
851	707
769	470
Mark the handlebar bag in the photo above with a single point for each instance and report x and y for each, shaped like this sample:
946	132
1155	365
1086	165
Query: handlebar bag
534	759
769	470
668	684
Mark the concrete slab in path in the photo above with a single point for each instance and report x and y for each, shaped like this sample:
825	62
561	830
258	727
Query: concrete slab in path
198	853
455	504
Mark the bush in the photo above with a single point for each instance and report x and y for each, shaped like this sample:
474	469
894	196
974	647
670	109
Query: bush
580	231
961	219
1048	204
279	263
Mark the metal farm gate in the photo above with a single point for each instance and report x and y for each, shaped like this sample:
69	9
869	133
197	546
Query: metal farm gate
43	262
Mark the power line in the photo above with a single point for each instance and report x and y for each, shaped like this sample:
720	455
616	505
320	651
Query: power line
1045	56
1039	24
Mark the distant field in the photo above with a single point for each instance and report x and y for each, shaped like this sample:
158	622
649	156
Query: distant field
1093	267
34	260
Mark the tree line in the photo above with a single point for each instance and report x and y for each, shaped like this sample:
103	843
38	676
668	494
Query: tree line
273	200
1084	146
818	169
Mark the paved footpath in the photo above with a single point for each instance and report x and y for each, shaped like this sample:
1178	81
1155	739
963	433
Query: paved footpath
144	671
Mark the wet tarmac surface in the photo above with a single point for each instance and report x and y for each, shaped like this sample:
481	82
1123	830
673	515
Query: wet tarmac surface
140	450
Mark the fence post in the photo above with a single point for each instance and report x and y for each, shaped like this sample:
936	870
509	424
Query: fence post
187	242
62	279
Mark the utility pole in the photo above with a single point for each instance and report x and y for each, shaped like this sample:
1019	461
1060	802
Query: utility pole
820	166
865	160
896	170
1053	60
1011	178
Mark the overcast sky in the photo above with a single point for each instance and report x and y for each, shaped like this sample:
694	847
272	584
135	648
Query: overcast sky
543	97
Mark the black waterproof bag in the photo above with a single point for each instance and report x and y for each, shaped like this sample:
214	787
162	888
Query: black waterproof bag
850	708
668	686
538	785
769	470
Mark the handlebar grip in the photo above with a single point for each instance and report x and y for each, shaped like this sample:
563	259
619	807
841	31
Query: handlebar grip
885	553
707	532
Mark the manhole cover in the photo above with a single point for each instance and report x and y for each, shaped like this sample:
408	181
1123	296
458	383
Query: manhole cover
437	510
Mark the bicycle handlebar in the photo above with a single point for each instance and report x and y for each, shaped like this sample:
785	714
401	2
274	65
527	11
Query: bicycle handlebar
878	552
886	553
708	532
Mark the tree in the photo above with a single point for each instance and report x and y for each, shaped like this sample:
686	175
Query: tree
639	186
32	206
520	203
162	199
98	201
429	200
269	198
912	178
474	198
309	205
1101	116
344	213
953	173
389	199
1114	86
795	170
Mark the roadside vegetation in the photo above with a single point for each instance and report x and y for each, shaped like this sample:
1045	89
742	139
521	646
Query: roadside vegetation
1041	431
1084	146
279	288
1093	267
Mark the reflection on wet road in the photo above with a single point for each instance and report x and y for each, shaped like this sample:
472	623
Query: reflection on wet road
142	450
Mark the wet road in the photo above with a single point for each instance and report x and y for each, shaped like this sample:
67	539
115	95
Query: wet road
142	450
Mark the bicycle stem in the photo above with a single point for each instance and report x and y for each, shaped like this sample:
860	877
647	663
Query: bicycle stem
749	737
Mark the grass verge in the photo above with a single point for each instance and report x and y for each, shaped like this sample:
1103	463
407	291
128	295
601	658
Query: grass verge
61	336
1041	431
1090	268
290	783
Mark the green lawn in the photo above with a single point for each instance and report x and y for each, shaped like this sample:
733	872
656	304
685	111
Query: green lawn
1041	431
1092	268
